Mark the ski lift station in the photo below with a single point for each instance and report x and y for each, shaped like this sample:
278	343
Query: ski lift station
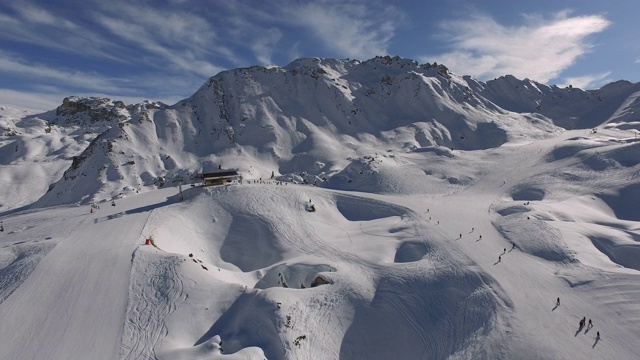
220	177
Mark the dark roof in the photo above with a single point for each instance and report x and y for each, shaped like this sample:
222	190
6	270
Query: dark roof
219	174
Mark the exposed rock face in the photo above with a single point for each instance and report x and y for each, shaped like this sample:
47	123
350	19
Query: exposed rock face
83	111
319	281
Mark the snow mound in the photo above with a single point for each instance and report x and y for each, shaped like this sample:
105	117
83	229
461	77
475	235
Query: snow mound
361	209
527	193
625	254
411	251
293	276
535	237
441	329
624	202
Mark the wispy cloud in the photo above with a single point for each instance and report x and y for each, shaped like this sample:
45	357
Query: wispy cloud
265	47
37	15
35	25
540	49
352	29
62	82
13	65
37	101
173	38
588	81
119	48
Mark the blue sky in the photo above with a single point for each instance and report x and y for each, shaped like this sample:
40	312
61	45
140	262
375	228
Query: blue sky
164	50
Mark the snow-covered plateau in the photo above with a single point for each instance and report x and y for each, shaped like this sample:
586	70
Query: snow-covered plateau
387	210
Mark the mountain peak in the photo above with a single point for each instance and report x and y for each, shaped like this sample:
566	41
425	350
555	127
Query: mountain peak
296	119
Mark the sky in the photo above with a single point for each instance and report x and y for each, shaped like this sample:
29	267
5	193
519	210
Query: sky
165	50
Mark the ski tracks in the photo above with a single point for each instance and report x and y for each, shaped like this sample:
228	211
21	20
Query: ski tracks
406	314
155	291
23	259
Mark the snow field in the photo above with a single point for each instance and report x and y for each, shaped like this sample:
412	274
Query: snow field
422	271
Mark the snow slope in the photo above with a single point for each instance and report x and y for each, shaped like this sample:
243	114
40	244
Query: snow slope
450	216
409	276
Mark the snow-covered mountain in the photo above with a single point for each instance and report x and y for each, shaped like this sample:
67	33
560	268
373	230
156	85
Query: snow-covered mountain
314	116
421	178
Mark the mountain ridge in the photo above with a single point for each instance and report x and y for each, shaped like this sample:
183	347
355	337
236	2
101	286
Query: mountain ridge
286	119
432	222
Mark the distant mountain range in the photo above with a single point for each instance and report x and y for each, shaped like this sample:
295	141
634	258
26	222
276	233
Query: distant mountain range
307	121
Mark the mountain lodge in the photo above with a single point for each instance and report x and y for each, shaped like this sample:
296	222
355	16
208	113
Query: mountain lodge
220	177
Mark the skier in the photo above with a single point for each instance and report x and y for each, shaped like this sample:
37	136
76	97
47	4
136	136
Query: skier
558	302
590	324
499	258
513	245
504	250
1	227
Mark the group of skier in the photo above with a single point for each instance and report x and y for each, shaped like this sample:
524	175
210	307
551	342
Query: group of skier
583	322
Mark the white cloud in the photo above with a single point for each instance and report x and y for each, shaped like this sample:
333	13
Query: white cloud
351	29
53	84
16	66
69	78
539	50
264	47
37	15
34	25
182	40
593	81
30	100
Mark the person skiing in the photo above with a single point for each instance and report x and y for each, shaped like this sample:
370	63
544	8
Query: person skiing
590	324
558	302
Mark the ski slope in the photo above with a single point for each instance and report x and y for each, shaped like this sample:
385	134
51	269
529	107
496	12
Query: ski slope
426	269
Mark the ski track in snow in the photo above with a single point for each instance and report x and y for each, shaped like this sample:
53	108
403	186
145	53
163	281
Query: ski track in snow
23	259
156	290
